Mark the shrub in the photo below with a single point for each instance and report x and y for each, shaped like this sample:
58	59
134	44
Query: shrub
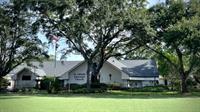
115	86
3	84
75	86
45	83
50	84
174	86
191	83
92	90
95	88
99	86
79	86
159	88
81	90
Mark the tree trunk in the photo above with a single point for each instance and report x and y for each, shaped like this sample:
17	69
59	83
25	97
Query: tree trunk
196	79
94	77
89	66
182	72
184	88
92	74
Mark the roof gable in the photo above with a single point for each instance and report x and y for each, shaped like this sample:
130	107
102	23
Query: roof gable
116	63
49	68
140	68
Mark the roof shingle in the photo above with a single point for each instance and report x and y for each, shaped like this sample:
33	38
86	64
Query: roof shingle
140	68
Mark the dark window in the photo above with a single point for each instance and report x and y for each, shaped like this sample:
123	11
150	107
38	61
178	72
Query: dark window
9	84
26	77
110	75
136	83
157	82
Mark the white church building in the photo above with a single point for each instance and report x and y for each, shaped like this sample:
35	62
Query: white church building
125	73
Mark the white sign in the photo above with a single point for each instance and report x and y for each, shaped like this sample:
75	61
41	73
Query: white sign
79	76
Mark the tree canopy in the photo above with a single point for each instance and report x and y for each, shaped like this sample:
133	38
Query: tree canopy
18	43
96	28
178	27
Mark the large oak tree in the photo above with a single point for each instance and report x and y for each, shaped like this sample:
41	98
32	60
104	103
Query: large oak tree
95	28
178	33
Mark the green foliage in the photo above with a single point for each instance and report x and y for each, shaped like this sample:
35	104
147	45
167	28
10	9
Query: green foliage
52	85
191	83
18	43
168	72
45	83
100	88
27	91
95	28
74	86
159	88
96	22
92	90
99	85
95	88
3	83
177	39
141	53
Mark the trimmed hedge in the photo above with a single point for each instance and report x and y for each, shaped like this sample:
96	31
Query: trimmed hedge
92	90
99	88
159	88
95	88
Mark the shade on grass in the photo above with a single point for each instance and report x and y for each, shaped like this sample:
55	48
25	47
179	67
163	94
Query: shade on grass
97	103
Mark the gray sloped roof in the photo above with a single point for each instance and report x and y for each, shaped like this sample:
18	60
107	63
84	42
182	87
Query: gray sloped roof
49	68
134	68
140	68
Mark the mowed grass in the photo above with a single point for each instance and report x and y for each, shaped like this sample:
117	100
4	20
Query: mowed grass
107	102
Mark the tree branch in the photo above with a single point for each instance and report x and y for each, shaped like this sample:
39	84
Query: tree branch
193	63
125	53
161	54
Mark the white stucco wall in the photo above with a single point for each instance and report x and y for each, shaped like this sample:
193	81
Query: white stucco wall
19	83
142	78
161	80
65	76
107	69
74	76
147	83
116	77
124	76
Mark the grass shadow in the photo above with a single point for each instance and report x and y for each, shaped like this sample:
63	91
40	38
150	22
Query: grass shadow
5	97
109	95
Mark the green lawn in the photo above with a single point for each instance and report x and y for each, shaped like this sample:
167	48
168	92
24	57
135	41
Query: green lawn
110	102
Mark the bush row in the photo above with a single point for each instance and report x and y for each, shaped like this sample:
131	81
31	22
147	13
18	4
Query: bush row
158	88
99	88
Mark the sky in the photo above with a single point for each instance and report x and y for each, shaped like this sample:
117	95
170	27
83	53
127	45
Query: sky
153	2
